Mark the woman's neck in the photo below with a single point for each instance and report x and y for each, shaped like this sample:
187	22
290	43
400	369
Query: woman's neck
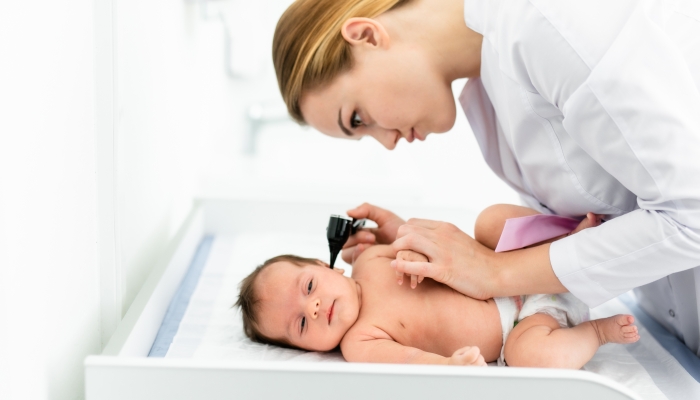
438	28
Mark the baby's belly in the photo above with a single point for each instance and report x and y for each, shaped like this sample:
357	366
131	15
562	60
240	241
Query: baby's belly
444	322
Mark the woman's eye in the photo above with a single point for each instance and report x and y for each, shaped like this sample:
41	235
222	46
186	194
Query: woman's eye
310	285
355	120
303	322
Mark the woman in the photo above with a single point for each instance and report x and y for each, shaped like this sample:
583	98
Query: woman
579	106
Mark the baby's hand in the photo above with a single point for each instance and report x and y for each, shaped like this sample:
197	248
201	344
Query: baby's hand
469	355
410	255
591	221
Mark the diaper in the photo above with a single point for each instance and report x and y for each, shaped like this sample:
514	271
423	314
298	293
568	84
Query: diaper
566	309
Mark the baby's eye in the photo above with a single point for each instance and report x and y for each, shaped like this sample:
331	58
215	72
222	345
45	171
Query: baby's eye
355	120
310	285
303	322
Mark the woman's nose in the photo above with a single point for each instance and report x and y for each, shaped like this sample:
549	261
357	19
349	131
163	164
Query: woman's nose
313	308
386	137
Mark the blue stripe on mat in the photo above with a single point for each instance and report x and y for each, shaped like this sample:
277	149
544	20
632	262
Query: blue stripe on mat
178	305
672	344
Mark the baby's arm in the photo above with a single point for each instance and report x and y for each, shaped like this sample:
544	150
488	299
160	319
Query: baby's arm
385	350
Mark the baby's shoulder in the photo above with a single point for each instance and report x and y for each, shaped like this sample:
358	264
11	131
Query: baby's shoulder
362	331
372	254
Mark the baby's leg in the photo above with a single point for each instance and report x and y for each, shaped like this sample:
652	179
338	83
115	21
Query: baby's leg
490	222
539	341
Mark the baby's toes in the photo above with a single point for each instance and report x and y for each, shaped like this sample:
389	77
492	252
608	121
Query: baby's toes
628	329
630	333
618	329
630	338
624	319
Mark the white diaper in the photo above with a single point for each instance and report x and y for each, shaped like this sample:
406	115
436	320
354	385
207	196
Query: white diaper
566	309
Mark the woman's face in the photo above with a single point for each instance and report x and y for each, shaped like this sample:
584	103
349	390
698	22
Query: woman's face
392	92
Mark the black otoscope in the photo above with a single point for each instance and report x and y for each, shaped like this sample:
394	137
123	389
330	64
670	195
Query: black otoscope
339	230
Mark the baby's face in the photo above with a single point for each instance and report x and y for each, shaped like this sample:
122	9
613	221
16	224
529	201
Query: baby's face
312	307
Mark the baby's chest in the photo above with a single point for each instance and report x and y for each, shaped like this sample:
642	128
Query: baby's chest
408	315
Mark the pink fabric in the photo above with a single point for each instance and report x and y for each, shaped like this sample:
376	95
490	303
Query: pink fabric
524	231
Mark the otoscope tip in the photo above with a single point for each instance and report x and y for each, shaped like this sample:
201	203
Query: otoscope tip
334	256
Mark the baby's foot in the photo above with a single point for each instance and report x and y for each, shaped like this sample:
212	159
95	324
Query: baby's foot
616	329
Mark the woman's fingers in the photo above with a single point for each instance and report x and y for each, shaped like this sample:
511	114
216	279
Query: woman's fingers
424	223
372	212
362	236
388	223
407	229
410	255
417	243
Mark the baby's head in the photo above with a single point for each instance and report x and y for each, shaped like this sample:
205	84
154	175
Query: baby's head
298	302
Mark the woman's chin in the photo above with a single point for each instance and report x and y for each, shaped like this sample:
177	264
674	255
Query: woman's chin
445	125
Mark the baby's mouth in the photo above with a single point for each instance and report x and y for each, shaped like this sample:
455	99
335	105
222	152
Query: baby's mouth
330	312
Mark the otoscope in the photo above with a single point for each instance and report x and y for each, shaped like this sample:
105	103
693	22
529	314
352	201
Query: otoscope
339	230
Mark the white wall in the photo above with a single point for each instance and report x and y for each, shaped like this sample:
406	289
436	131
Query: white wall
49	300
87	205
172	95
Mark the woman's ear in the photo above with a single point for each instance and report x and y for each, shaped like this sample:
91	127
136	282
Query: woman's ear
364	31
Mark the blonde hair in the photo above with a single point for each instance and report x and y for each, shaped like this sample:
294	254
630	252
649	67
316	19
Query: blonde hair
308	49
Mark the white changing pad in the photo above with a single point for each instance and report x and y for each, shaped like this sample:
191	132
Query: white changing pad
212	329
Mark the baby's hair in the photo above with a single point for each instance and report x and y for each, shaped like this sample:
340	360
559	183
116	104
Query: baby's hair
249	299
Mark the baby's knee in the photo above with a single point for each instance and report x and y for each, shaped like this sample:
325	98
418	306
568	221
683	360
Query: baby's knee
523	347
490	222
489	225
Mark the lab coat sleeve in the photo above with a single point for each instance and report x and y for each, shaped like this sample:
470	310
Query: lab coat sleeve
631	101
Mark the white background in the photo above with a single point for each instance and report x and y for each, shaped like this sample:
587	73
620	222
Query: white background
114	116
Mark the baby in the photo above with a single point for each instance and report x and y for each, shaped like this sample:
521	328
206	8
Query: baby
301	303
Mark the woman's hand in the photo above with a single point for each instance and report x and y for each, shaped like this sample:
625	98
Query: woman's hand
388	224
454	258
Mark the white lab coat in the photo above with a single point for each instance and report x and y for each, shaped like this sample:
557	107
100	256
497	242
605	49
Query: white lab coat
594	105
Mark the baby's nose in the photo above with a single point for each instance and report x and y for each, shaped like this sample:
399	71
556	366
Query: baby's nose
314	306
